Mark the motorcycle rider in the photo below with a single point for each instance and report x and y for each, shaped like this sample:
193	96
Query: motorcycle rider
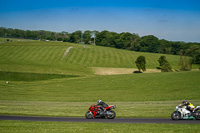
189	106
102	105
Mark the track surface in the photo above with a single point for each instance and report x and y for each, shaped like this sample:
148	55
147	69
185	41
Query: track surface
116	120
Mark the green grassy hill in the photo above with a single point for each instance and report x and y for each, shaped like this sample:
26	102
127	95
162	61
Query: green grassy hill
39	75
47	57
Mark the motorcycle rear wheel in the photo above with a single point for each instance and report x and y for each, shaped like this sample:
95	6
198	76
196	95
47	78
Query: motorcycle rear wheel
89	115
176	115
111	116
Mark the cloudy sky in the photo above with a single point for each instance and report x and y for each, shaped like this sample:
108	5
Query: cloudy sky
174	20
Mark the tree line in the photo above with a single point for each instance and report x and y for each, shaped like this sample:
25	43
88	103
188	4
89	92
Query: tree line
125	40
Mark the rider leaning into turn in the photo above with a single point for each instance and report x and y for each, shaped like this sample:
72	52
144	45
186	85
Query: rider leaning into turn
189	106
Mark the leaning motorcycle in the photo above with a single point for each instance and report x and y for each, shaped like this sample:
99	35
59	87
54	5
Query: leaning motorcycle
182	113
97	112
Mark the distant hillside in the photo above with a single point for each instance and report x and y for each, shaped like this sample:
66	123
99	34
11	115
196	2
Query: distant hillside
125	40
47	57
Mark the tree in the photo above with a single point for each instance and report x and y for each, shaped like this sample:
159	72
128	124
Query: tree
176	47
101	38
162	60
164	64
75	37
166	67
149	43
194	52
165	46
185	63
135	42
108	39
124	40
140	63
87	36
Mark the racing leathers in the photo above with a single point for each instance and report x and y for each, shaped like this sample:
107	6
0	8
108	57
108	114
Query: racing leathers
189	106
102	106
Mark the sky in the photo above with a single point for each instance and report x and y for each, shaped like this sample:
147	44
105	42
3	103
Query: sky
173	20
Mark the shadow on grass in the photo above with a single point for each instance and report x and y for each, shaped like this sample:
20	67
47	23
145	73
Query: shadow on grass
137	72
158	67
28	77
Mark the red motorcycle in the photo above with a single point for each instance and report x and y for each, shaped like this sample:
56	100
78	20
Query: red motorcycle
99	112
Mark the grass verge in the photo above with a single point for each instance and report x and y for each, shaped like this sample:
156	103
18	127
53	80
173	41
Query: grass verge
148	109
63	127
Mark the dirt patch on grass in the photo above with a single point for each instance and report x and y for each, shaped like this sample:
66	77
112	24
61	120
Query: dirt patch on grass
116	71
66	52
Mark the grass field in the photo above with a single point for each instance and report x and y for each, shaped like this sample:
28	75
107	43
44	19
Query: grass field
72	96
63	127
43	83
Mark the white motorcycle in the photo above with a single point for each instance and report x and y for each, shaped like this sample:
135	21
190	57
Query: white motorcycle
182	113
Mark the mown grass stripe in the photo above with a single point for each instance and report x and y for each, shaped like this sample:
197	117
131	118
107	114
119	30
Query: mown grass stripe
107	57
127	61
97	62
40	53
3	51
88	55
58	54
112	58
28	53
95	54
45	54
70	56
122	59
101	57
10	50
48	53
81	55
85	56
35	54
17	53
117	58
92	57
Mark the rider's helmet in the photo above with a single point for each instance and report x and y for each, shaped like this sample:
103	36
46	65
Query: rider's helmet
184	101
99	101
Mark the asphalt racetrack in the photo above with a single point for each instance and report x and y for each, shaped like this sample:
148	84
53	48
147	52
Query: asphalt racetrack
116	120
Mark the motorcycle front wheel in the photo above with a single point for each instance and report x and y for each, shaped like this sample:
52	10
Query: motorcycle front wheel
197	117
112	115
89	115
176	115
